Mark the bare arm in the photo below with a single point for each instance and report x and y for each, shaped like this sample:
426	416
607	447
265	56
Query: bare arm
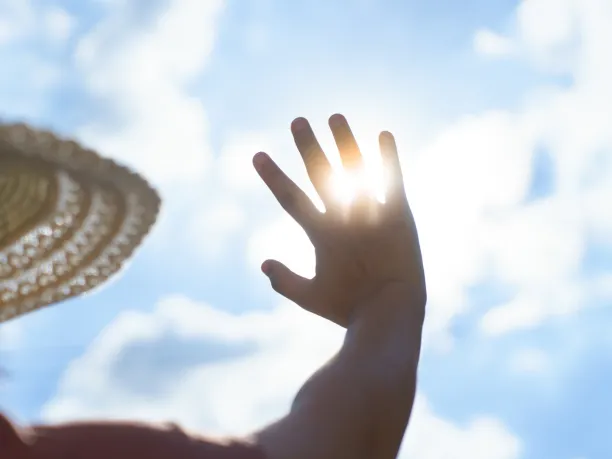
369	279
358	405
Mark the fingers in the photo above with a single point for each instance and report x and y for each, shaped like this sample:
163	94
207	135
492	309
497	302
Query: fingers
289	195
347	145
317	165
392	169
295	202
363	200
284	281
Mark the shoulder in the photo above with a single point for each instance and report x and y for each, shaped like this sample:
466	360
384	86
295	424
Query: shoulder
101	439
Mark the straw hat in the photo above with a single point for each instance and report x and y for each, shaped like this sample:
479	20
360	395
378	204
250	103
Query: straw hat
69	219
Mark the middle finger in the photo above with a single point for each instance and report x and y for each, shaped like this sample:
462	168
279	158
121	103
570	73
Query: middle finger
347	145
317	165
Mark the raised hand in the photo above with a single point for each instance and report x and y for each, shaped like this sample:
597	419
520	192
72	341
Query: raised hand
363	248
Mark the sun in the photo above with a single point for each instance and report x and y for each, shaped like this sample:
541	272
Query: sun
347	184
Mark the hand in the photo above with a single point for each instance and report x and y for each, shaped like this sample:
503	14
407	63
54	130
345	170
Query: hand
363	247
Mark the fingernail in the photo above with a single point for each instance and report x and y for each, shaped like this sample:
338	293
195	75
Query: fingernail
386	136
298	124
259	160
336	120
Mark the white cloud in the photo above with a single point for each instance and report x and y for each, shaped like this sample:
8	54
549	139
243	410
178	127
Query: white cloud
285	241
11	335
545	31
539	248
141	63
430	437
530	361
6	31
256	38
234	395
537	245
17	18
20	19
229	395
231	195
211	231
519	313
489	43
546	25
465	174
234	164
469	186
28	75
59	24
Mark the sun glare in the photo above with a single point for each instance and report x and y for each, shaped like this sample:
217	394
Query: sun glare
346	185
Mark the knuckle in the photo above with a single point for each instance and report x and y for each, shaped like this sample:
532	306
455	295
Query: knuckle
316	163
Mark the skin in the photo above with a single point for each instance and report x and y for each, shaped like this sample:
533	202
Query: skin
369	278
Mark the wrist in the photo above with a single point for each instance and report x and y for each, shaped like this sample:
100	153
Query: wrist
386	333
392	310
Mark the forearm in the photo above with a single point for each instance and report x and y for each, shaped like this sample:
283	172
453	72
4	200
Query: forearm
358	405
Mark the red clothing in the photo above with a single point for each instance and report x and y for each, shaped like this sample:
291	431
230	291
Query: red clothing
115	440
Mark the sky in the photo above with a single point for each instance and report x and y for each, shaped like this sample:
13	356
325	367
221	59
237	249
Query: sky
501	111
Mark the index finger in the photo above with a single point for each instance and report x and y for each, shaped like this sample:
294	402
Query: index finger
291	198
317	165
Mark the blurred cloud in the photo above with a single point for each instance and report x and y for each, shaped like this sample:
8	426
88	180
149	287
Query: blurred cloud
59	24
489	43
11	337
151	366
211	231
530	361
140	66
539	246
276	353
29	73
434	438
285	241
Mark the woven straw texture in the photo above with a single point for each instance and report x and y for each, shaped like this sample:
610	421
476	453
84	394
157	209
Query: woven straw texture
69	219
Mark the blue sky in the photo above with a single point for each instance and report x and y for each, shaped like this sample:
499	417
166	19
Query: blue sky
500	110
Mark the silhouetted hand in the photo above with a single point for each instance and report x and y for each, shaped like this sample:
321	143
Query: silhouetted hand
363	247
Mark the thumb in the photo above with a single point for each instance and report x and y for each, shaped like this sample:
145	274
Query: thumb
289	284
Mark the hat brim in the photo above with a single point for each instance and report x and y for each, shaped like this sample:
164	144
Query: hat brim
69	218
